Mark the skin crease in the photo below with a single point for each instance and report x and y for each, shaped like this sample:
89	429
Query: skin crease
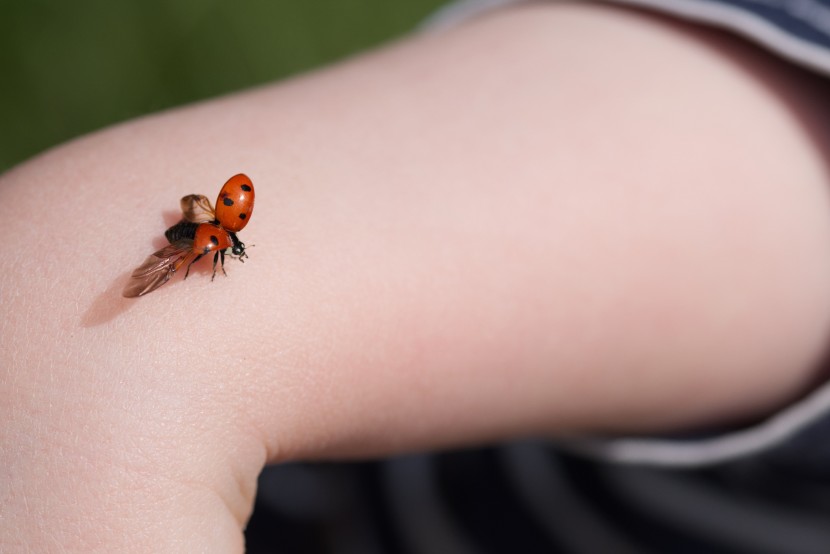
508	228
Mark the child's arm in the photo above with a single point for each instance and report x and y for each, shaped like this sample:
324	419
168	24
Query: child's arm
556	219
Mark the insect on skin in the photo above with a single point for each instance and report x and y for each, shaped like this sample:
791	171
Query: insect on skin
201	231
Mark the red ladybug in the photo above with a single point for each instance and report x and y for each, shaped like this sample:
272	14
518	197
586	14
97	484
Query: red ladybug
201	231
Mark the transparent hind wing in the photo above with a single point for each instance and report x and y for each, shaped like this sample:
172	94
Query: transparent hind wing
159	267
197	209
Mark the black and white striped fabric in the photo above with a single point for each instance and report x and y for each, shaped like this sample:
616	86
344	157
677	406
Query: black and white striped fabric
762	489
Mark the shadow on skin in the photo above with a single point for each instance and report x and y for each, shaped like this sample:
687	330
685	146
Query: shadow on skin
110	304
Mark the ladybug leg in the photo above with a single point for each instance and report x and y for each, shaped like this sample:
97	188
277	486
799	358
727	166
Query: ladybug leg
196	259
218	257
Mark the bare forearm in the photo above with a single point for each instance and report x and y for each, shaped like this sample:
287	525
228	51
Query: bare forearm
508	228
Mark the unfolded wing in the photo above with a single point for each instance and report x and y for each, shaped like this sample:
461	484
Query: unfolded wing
197	209
159	267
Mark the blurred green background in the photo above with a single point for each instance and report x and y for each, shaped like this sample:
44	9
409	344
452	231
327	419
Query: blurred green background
69	67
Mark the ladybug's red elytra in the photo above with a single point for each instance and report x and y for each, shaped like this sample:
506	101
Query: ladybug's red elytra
235	203
201	231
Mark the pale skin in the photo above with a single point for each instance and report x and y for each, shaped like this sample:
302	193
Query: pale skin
509	228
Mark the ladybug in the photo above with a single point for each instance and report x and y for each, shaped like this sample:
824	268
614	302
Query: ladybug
201	231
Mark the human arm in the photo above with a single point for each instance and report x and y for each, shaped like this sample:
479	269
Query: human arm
509	228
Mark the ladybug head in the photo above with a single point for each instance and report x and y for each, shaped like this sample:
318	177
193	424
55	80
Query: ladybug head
238	248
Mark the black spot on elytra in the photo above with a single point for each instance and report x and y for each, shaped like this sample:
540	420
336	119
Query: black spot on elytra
243	216
227	201
214	240
246	188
